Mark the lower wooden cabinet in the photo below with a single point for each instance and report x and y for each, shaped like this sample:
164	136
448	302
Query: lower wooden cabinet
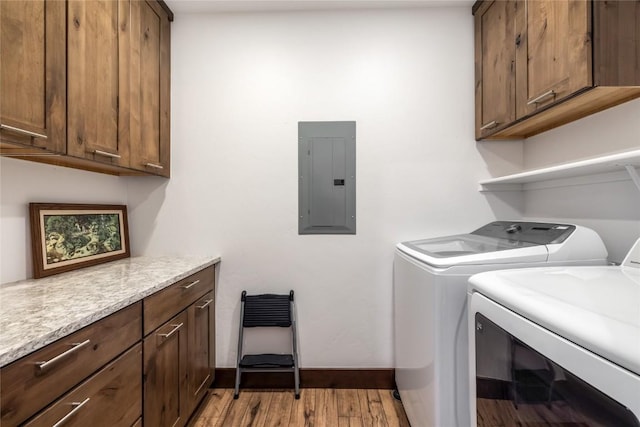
165	374
31	383
111	397
115	373
200	349
178	355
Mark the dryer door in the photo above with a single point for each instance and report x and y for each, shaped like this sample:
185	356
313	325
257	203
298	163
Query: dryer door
526	375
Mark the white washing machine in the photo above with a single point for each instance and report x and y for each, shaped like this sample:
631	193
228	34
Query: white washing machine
430	312
556	346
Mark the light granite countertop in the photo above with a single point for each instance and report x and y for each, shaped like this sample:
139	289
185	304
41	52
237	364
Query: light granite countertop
34	313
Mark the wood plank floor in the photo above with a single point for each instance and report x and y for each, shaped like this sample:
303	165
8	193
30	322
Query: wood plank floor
315	408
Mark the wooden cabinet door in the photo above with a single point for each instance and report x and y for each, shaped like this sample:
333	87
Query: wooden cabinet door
201	347
32	73
165	374
150	87
554	59
495	40
96	30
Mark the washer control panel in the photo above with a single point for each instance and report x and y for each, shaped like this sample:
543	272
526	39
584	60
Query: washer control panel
540	233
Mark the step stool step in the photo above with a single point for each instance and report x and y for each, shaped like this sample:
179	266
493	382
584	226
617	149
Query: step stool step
267	361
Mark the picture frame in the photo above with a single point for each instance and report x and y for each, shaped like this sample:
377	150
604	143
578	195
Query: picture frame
70	236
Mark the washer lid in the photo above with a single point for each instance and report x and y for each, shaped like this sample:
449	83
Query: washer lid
473	249
597	308
541	233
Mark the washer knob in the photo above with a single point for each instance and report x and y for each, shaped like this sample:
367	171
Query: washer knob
514	228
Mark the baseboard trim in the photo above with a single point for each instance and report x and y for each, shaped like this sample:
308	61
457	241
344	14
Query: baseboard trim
310	378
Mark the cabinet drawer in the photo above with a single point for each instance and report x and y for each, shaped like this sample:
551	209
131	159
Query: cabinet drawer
170	301
112	397
36	380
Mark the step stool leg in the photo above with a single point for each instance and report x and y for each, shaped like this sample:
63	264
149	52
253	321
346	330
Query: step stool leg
236	392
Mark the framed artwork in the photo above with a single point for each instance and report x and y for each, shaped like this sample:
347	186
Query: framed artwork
67	236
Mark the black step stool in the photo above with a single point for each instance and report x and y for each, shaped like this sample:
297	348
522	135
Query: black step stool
267	310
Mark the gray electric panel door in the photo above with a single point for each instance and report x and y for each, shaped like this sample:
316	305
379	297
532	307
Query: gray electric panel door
327	177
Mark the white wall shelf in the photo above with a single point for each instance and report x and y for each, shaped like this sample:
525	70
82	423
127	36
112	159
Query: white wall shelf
627	161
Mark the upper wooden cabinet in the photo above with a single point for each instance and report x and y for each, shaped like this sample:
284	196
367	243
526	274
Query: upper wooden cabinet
150	88
495	66
554	53
97	58
568	59
32	76
89	79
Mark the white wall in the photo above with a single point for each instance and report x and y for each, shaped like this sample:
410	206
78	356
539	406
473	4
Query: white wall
22	183
610	204
240	84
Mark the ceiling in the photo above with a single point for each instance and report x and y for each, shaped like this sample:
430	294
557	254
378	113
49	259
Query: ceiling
216	6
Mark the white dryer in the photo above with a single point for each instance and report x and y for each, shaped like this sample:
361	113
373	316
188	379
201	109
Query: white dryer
430	313
556	346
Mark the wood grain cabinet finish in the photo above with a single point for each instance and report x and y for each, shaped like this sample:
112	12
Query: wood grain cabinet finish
554	53
111	397
117	372
165	374
150	88
97	58
34	381
572	58
175	298
201	348
89	79
32	70
178	353
495	69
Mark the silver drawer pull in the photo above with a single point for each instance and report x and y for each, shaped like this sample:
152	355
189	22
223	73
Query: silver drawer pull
42	366
541	97
206	303
153	165
77	406
191	285
106	154
23	132
171	332
489	125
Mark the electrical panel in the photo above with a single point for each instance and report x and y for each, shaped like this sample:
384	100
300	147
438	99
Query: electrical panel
327	177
